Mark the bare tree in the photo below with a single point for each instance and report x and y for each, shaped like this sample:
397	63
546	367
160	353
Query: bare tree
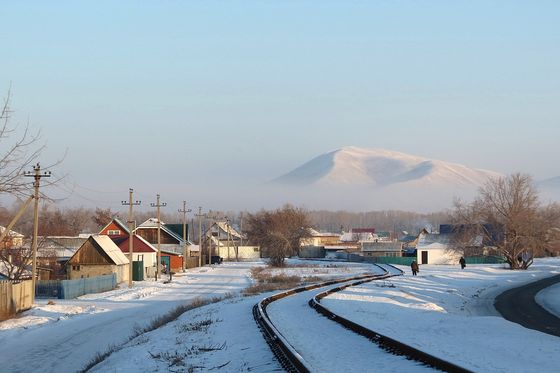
278	232
15	262
508	213
20	149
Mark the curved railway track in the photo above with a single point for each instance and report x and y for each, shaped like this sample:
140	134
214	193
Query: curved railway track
372	348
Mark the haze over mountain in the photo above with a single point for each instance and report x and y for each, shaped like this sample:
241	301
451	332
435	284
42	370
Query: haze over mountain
357	178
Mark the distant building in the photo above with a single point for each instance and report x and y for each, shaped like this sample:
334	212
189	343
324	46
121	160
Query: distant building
12	239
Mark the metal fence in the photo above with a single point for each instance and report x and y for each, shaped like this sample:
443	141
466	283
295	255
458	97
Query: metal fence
493	259
14	297
399	260
69	289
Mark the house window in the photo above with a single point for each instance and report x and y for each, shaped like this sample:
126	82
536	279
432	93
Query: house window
114	232
256	249
76	268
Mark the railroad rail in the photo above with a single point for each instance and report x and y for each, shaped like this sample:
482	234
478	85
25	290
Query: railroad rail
292	361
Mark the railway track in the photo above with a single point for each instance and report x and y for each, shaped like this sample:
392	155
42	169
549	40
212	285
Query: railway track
361	346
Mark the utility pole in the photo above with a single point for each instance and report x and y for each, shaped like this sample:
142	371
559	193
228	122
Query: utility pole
199	216
157	205
130	203
241	228
186	253
37	175
228	238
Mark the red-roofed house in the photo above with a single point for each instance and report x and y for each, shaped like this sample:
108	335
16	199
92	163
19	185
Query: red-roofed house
141	250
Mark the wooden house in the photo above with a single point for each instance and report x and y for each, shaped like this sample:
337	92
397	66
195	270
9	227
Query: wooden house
226	242
98	256
169	240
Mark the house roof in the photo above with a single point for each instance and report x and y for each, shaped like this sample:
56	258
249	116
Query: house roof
118	222
315	233
363	230
112	250
152	223
139	244
224	226
106	246
408	238
11	233
434	240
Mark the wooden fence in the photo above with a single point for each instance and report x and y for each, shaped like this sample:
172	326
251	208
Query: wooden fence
14	297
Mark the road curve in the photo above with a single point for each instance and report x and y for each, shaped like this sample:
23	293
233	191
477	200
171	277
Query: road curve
518	305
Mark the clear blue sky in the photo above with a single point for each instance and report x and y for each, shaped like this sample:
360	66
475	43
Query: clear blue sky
212	92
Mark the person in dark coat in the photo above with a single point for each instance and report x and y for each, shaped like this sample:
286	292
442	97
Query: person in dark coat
462	263
414	267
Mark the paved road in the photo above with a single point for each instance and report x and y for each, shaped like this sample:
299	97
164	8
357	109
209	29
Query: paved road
518	305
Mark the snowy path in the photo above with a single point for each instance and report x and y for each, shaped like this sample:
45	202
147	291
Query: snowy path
328	347
67	345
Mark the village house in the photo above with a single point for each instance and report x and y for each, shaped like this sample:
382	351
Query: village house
381	248
226	242
98	256
436	248
53	252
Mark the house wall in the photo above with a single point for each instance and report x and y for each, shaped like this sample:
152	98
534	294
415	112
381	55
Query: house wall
150	260
243	252
150	235
175	262
86	271
438	256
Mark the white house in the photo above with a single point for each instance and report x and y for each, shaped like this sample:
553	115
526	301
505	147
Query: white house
436	249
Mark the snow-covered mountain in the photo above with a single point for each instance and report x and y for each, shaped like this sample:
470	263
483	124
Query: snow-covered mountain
351	166
359	179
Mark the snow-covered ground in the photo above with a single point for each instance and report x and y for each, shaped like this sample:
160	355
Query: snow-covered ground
63	337
446	311
449	313
549	299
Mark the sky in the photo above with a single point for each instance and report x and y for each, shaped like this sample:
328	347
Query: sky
199	99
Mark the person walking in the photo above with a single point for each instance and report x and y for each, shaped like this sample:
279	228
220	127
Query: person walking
414	267
462	263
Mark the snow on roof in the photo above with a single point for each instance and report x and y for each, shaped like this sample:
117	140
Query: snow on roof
11	233
112	250
315	233
224	226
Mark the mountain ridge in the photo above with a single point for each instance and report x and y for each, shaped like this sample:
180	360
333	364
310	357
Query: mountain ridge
376	167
